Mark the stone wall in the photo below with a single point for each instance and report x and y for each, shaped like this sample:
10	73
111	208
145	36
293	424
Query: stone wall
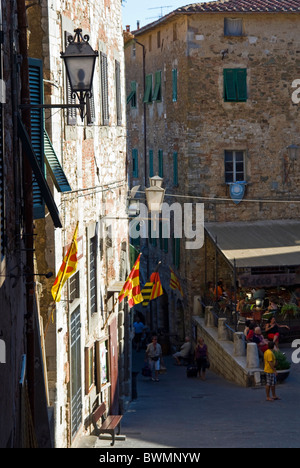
200	126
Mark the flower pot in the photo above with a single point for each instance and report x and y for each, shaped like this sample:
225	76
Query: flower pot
282	374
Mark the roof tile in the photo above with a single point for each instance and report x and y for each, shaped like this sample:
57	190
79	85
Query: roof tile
242	6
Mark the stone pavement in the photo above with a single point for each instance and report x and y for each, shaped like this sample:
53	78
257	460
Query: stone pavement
181	412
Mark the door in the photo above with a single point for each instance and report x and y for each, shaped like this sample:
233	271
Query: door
76	391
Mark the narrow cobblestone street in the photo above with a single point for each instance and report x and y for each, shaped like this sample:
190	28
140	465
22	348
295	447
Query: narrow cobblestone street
181	412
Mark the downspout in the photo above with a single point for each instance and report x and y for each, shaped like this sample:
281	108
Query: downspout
28	203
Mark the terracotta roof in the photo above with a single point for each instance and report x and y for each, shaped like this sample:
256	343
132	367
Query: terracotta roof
244	6
229	6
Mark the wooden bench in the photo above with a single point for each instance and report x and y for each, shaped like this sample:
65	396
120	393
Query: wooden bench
108	425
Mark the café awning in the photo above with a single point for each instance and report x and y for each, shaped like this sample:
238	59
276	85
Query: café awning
258	244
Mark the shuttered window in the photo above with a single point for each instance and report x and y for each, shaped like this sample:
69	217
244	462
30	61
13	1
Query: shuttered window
118	93
104	88
176	252
157	87
131	98
174	85
235	84
160	163
148	89
135	163
151	171
37	130
175	169
53	165
90	110
93	274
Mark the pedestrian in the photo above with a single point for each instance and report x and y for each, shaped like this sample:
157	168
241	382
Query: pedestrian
201	357
270	371
184	352
154	357
139	329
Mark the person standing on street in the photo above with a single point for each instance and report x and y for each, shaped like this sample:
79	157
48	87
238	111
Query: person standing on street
270	371
139	328
154	356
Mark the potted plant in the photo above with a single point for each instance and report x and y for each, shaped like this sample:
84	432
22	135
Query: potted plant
289	310
282	366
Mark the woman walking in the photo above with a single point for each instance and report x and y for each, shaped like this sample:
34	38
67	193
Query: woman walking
201	356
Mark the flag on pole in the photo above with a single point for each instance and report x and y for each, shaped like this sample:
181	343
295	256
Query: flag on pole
153	288
175	283
131	287
68	267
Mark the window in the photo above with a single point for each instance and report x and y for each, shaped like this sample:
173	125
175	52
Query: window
90	110
151	171
118	93
233	27
135	163
234	166
158	39
74	289
174	84
104	88
157	88
132	96
37	130
175	169
102	364
235	84
175	32
93	274
176	252
160	163
150	43
89	369
148	90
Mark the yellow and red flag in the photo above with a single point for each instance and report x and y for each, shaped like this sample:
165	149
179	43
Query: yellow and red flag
131	287
153	288
68	267
175	283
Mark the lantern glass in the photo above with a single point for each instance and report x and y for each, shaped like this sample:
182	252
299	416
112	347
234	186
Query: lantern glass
155	197
155	181
80	61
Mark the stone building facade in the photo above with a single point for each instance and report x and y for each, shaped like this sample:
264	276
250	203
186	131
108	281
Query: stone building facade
86	334
219	116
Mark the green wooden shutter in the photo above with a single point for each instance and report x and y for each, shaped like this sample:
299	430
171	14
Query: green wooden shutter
160	163
151	171
135	163
148	90
175	168
157	88
174	85
176	252
132	96
53	165
37	130
230	85
241	83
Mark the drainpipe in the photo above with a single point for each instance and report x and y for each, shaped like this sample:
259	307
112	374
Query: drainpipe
28	204
145	121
